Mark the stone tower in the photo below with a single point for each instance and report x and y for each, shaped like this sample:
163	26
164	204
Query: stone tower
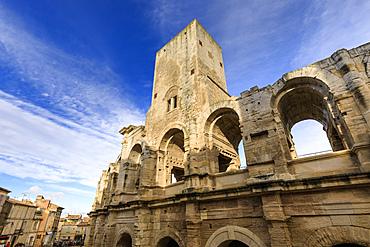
178	181
189	78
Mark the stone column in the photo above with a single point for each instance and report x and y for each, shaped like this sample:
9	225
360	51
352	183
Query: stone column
143	227
277	220
355	83
193	225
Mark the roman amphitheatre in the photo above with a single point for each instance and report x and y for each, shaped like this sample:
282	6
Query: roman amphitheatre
178	182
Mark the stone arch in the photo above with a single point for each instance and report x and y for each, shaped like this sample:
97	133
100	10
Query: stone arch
301	82
232	104
123	234
169	233
171	92
338	235
172	97
130	168
175	125
312	71
223	135
238	233
303	98
173	149
134	155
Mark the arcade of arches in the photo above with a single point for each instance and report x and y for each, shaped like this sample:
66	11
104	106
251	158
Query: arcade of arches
178	180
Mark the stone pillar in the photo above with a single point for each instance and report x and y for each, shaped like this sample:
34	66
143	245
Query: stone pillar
355	83
148	171
89	241
110	229
98	236
143	227
193	225
277	221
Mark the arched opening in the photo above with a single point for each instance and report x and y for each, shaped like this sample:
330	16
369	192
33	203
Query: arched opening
310	138
114	181
125	241
167	242
234	236
226	139
233	243
135	154
171	165
131	169
241	152
308	98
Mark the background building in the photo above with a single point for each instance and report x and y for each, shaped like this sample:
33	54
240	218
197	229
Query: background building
50	215
68	227
3	196
21	222
83	229
178	182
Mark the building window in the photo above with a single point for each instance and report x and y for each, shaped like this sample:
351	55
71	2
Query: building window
169	105
68	229
172	103
35	226
85	229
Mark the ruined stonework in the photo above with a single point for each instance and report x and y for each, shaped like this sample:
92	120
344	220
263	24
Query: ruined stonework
178	180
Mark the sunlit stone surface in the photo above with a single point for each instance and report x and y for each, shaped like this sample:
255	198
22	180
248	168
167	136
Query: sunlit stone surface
178	182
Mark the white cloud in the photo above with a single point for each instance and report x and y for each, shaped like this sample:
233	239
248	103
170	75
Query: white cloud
59	122
333	25
35	143
36	190
73	190
85	91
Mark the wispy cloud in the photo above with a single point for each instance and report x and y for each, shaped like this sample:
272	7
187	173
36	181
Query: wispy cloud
60	114
262	40
330	26
33	144
249	32
62	199
36	190
73	190
85	91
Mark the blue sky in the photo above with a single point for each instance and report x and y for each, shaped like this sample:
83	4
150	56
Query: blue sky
75	72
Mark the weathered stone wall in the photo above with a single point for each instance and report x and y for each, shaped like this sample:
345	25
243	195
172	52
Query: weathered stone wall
192	132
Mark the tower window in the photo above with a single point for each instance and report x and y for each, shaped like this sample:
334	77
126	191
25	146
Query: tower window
175	102
169	105
172	103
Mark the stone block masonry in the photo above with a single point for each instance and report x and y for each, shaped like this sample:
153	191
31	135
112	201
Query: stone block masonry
178	181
